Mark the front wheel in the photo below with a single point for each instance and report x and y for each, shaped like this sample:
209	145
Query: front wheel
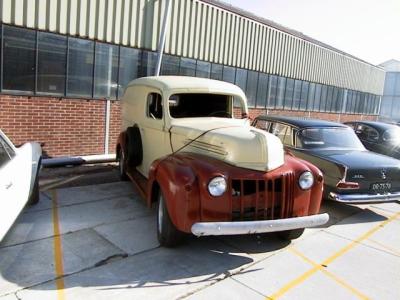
168	235
289	235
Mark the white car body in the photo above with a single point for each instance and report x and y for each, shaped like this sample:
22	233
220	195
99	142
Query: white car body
19	169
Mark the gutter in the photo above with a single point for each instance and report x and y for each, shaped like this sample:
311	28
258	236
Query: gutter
78	160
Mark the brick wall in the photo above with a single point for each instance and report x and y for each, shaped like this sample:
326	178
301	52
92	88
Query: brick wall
65	126
70	127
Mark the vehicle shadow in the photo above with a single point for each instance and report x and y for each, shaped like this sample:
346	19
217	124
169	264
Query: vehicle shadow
342	213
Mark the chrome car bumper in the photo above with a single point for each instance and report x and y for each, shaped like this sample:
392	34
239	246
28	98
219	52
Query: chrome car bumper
250	227
365	198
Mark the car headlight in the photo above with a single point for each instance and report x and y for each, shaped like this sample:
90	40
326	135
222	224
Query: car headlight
306	180
217	186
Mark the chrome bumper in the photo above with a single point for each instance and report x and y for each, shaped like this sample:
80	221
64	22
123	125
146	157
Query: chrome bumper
250	227
365	198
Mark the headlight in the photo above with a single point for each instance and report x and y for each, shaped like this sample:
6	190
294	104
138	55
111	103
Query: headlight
306	180
217	186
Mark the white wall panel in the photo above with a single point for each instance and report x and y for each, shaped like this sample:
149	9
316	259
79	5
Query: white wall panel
197	30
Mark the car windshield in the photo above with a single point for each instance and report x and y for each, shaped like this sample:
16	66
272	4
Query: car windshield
200	105
330	138
392	135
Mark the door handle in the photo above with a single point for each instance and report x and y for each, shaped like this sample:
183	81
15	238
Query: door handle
8	185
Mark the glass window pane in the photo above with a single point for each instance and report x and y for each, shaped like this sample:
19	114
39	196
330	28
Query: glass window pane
241	78
106	71
203	69
272	91
262	89
52	55
80	67
280	92
149	62
397	86
324	92
289	93
317	97
216	71
229	74
311	95
339	100
296	95
170	65
129	67
390	82
304	95
251	88
334	99
19	59
329	98
187	67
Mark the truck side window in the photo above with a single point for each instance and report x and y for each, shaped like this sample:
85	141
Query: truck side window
154	106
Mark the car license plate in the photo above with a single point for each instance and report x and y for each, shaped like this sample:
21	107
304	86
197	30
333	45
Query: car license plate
381	186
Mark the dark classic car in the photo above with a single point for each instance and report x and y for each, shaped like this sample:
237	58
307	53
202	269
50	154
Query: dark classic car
378	137
352	174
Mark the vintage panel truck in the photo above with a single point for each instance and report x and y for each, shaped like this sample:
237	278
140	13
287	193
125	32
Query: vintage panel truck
188	148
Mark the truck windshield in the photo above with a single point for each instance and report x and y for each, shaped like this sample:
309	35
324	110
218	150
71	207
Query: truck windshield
200	105
331	138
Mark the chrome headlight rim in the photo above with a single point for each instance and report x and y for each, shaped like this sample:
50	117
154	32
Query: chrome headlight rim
306	180
217	186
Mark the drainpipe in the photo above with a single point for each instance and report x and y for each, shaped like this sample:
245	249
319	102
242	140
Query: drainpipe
163	35
107	127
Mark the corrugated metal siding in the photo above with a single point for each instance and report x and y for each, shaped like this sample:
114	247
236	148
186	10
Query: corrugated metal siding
197	30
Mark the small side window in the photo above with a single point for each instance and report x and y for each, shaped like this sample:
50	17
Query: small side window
262	124
283	132
154	106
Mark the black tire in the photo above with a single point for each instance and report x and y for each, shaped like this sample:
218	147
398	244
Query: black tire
122	166
35	196
133	146
167	234
289	235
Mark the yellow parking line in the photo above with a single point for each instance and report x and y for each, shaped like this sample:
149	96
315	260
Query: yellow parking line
58	256
329	274
390	249
330	259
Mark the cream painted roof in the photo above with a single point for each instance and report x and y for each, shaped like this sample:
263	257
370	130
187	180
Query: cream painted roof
172	83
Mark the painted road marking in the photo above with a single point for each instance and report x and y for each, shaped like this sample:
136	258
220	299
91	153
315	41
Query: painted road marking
330	259
58	256
329	274
52	186
387	248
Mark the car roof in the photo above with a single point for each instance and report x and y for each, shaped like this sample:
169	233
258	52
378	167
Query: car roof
301	122
187	82
376	125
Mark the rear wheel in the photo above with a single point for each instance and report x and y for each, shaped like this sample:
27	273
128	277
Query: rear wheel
289	235
168	235
122	166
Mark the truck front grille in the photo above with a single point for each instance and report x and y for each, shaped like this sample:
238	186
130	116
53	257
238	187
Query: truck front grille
262	200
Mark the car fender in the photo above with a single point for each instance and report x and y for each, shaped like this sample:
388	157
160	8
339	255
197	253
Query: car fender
178	182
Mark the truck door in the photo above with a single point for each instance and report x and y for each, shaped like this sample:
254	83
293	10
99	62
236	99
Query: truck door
154	137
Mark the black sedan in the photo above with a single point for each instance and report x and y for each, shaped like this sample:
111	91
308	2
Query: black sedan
352	174
378	137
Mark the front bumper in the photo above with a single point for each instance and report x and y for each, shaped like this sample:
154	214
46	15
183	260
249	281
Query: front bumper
365	198
251	227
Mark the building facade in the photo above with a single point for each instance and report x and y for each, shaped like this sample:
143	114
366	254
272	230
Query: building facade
390	107
64	66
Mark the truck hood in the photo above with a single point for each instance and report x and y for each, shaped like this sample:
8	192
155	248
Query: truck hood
231	140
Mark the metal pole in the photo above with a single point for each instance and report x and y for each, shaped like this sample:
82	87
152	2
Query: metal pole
163	34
